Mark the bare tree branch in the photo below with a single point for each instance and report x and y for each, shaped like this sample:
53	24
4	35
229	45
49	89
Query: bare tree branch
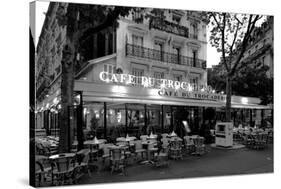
218	24
223	44
250	28
235	36
238	20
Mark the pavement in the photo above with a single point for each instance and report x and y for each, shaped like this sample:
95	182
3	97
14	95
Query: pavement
216	162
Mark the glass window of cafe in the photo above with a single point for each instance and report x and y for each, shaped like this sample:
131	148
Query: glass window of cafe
137	119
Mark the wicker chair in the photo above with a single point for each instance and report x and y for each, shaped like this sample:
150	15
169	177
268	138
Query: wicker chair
82	164
200	147
41	173
139	149
165	144
188	144
175	149
250	141
63	171
117	158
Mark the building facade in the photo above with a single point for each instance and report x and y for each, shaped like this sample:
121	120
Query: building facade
147	74
260	48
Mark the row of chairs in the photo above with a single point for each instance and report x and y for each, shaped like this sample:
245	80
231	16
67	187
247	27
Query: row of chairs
258	141
62	171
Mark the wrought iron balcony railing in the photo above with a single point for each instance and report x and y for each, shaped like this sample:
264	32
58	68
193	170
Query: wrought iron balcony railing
193	36
152	54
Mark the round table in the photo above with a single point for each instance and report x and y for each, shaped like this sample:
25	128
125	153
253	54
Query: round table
63	155
152	137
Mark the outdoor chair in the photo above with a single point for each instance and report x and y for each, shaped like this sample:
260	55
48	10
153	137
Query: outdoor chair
250	141
188	144
165	144
175	149
270	137
117	158
151	149
82	164
260	141
41	173
63	171
106	153
161	160
139	149
200	147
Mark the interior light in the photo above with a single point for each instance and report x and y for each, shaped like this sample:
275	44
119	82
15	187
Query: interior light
244	100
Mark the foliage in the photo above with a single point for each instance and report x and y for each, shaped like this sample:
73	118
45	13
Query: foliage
230	34
250	81
253	81
216	80
81	21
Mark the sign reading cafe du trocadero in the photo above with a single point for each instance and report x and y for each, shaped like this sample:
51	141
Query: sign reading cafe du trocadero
167	87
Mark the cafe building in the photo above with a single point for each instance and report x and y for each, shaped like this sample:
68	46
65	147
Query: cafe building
143	77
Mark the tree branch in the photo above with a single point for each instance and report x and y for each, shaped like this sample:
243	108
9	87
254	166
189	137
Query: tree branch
250	28
223	45
238	20
235	36
214	16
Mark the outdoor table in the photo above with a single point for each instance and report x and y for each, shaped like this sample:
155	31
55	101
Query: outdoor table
176	138
194	136
94	144
63	155
146	144
151	137
173	134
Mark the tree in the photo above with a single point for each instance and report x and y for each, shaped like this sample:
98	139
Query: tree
80	21
251	80
230	34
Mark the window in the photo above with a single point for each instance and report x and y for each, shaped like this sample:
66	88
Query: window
111	69
194	80
137	40
194	57
177	77
138	73
176	57
137	16
176	18
194	28
158	75
159	51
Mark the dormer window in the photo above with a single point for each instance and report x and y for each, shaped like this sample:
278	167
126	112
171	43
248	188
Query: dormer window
194	28
137	16
176	18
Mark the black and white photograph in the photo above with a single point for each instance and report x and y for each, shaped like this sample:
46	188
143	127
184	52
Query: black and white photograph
136	93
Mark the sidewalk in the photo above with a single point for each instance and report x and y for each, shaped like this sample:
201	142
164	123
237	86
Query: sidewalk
217	162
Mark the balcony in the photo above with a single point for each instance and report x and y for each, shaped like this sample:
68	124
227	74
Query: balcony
193	36
152	54
169	27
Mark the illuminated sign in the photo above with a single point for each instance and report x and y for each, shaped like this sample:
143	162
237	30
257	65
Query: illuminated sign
167	87
191	95
152	82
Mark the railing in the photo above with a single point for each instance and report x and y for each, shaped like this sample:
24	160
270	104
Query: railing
152	54
169	27
193	36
